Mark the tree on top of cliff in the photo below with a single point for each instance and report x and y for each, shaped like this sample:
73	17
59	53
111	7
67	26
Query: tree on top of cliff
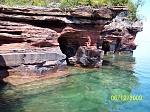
132	13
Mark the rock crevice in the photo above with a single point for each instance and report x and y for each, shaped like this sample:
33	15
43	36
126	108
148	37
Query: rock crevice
37	38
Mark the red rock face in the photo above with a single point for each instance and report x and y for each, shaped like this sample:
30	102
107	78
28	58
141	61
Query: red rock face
41	27
87	57
119	36
26	30
72	37
33	41
36	39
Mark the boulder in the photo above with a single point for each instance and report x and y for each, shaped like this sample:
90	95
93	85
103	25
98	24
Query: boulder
38	40
87	57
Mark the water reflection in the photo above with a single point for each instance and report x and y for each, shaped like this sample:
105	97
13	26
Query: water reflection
9	99
85	90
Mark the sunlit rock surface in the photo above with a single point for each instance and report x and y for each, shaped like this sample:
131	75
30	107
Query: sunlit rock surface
39	40
87	57
119	35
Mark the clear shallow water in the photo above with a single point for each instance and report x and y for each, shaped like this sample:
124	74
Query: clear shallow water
86	90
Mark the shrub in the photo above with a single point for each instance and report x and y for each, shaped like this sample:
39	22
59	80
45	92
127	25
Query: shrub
132	13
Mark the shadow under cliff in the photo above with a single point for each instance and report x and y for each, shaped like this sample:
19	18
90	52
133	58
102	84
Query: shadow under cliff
3	70
8	100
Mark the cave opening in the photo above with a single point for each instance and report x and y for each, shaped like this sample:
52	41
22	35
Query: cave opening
68	47
105	46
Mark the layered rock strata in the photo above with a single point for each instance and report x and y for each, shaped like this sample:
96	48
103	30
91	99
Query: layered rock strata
119	35
36	39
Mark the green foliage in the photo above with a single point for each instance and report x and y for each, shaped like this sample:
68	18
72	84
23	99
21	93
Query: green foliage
133	9
25	2
68	3
98	3
120	2
2	1
132	13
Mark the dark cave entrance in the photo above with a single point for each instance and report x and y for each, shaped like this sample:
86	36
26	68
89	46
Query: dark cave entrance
68	47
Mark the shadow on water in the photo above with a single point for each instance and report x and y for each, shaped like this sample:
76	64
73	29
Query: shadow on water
106	63
8	100
3	69
85	90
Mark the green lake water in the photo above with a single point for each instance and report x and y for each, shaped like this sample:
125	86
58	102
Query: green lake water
86	90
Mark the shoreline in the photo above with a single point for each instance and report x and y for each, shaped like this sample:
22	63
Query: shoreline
17	80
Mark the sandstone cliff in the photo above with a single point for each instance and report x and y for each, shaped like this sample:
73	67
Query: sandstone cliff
119	35
37	40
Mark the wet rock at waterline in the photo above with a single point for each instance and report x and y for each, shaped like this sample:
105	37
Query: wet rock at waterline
119	35
87	57
38	62
38	40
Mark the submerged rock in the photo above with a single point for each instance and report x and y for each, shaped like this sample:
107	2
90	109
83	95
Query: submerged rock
38	40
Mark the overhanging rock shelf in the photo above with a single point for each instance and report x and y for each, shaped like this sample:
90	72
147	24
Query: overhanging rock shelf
39	39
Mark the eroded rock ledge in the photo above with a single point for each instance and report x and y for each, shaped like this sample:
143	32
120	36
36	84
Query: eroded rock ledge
119	35
37	40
